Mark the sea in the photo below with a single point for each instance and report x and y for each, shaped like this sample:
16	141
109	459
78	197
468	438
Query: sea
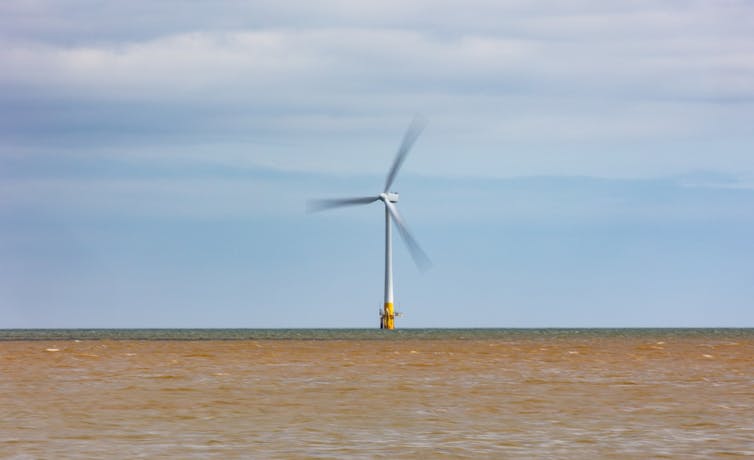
358	393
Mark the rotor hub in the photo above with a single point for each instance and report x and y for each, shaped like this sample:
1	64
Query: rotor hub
389	196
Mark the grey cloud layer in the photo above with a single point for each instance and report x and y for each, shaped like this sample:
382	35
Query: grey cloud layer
488	74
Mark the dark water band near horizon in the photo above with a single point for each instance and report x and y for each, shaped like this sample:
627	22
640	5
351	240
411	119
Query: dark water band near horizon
366	393
352	333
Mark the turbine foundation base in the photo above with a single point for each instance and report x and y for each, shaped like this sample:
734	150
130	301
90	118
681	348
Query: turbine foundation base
387	320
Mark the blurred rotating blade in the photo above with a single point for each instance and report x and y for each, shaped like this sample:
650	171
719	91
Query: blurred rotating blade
412	133
321	205
420	257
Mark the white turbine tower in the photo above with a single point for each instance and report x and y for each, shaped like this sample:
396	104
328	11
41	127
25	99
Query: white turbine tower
388	198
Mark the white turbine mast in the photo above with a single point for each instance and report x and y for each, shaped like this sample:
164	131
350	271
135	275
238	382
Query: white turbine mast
388	198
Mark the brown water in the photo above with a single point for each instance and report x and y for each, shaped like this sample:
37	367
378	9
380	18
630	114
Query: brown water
649	395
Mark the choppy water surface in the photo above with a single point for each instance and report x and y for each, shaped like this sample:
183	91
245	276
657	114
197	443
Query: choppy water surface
364	394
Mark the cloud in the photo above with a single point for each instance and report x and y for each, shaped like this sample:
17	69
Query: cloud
302	85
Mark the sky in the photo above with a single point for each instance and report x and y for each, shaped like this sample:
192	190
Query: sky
584	164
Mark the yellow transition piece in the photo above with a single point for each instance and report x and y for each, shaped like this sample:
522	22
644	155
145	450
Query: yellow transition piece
388	317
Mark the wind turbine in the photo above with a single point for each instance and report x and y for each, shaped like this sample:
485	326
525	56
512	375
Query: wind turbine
388	198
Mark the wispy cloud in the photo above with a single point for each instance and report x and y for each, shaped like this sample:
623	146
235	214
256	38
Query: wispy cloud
662	77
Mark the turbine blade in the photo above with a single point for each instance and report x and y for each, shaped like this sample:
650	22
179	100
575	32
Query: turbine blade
420	257
321	205
412	133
